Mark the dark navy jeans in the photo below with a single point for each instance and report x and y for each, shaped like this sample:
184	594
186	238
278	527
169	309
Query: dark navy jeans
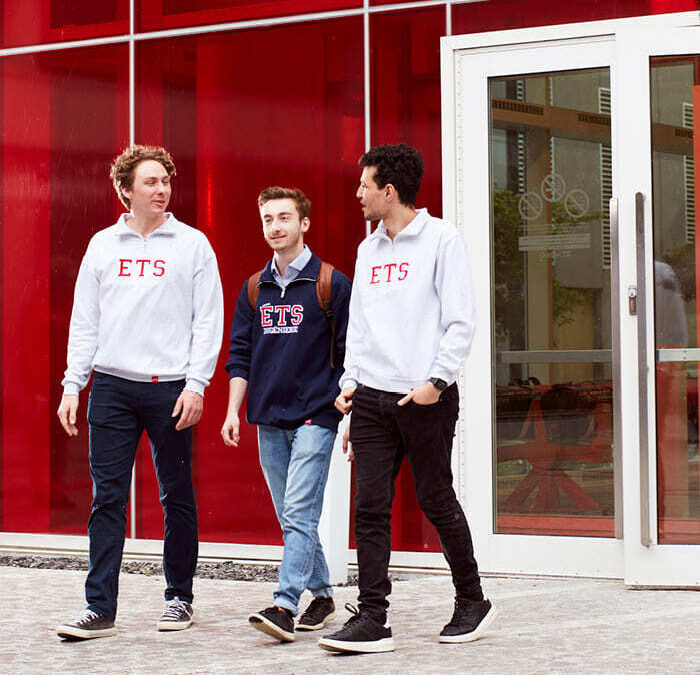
119	411
382	433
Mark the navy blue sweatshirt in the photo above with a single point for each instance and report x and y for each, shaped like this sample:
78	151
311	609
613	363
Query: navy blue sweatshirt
283	349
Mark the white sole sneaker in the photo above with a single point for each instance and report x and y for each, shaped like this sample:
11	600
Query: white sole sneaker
174	625
259	622
74	633
317	626
478	632
370	647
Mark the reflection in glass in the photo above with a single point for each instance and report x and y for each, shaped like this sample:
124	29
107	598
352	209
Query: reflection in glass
674	92
551	184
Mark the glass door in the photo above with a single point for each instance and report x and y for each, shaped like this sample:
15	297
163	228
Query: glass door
541	470
551	184
662	544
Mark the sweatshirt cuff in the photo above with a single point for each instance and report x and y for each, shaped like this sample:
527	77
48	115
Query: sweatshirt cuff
71	389
443	374
238	371
195	386
347	382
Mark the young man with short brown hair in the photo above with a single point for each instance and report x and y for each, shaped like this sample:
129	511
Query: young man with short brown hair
287	351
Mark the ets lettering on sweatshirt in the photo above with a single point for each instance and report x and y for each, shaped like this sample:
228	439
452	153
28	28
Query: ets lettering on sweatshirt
412	312
146	309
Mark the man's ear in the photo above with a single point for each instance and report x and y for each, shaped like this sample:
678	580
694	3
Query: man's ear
305	224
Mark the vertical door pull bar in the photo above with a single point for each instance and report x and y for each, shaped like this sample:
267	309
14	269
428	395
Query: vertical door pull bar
616	309
643	369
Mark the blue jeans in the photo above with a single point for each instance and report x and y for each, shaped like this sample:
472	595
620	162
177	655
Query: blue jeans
295	464
118	412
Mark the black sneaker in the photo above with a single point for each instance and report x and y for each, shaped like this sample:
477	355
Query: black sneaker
470	620
276	622
177	615
87	626
361	634
317	614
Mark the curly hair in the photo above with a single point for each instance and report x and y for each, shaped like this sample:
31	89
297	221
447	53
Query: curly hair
297	196
398	164
123	167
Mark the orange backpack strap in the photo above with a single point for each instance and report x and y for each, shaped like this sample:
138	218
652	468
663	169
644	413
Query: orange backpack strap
254	289
323	295
323	286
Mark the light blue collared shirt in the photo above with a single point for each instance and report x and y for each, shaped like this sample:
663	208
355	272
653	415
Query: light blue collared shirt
293	269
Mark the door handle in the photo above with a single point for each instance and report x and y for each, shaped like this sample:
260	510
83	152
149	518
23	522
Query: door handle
643	368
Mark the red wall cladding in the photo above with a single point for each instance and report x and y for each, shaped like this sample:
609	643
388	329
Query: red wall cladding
239	114
64	116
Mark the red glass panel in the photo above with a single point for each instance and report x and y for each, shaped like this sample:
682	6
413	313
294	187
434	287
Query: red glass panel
236	124
500	14
405	63
178	13
64	116
27	22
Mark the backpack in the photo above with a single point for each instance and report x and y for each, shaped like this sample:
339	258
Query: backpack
323	295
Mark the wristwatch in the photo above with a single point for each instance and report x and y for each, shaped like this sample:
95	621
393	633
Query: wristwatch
439	384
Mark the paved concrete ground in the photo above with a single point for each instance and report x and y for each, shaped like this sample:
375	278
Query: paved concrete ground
545	626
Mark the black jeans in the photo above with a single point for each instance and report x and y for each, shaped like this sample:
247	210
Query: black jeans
381	433
118	412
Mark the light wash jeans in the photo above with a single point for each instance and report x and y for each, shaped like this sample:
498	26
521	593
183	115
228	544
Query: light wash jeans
295	464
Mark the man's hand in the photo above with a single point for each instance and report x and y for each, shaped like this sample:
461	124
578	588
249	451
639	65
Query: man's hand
344	400
231	431
190	404
67	413
347	445
426	394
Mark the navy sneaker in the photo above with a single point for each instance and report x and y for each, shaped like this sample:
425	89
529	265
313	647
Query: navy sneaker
274	621
361	634
471	619
87	626
320	611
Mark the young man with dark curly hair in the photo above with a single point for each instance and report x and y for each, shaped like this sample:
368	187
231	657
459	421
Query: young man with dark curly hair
411	325
147	319
287	351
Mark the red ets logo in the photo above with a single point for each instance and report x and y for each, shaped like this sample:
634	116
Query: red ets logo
141	268
389	272
281	318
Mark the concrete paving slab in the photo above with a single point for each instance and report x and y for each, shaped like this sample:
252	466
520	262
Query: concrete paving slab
544	626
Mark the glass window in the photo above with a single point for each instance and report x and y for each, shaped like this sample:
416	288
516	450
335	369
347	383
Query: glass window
674	94
26	22
67	115
236	123
178	13
499	14
551	185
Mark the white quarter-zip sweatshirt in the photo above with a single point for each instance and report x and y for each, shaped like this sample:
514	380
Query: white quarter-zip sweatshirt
411	311
146	309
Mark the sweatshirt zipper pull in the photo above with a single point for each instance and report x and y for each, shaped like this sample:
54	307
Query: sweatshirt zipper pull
284	290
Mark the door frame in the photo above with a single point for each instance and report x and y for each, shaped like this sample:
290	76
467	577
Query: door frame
467	62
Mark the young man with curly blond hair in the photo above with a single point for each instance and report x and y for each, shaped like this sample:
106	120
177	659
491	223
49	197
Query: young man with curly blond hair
147	320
